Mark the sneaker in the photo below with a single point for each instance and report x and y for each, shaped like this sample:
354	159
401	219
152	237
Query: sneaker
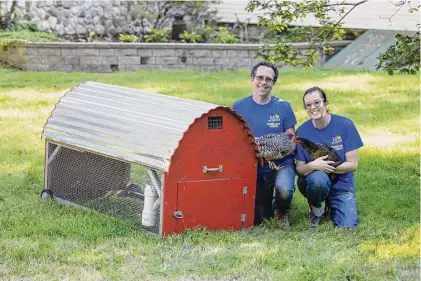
313	219
282	219
318	212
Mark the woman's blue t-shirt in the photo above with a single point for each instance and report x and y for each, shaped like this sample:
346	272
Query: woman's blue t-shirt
340	134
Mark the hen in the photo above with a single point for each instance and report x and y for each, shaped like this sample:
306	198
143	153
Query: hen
275	146
317	150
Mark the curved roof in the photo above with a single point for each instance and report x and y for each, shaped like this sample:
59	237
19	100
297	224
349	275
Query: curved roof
123	123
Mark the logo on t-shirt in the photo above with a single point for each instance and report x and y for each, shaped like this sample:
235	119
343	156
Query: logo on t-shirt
274	121
337	143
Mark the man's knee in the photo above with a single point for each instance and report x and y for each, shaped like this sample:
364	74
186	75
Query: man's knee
284	193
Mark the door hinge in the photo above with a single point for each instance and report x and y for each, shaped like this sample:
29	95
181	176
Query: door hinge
243	217
245	189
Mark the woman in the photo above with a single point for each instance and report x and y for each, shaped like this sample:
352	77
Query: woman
313	182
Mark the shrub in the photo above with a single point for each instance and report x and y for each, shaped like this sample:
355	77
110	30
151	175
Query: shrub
29	36
7	38
31	27
158	14
190	37
91	36
205	33
223	36
8	17
157	35
128	38
4	45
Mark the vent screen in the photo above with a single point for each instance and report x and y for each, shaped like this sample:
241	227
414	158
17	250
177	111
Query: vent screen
215	123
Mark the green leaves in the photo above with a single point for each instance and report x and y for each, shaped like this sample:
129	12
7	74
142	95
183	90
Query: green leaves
8	16
278	16
157	35
223	36
403	56
190	37
129	38
281	15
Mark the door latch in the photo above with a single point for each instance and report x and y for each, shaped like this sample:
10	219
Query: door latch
178	215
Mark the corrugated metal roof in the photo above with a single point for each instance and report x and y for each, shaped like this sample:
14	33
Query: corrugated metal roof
124	123
374	14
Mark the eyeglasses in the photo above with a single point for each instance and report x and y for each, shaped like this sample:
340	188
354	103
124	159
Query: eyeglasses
261	78
316	103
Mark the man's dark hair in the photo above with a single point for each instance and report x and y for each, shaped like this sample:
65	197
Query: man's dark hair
315	89
267	64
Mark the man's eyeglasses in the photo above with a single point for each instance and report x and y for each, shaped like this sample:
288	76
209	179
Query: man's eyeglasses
261	78
316	103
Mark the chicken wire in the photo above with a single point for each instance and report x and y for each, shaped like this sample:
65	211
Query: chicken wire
88	180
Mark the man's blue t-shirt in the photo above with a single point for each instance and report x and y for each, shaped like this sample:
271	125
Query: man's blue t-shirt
341	135
274	117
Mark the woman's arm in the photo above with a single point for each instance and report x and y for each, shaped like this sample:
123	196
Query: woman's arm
350	164
303	168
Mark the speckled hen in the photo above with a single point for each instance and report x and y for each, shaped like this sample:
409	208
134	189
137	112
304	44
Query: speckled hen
275	146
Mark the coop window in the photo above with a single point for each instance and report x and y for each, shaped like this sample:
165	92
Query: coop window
215	123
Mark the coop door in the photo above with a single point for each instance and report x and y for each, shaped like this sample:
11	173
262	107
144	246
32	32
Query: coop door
214	204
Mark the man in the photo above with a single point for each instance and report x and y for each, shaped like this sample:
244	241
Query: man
267	114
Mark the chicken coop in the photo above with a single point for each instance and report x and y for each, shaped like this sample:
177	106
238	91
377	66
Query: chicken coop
165	163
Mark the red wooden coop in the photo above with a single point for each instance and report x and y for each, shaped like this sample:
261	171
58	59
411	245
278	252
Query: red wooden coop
164	162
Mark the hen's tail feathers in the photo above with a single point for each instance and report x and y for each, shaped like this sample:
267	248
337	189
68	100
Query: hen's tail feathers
333	178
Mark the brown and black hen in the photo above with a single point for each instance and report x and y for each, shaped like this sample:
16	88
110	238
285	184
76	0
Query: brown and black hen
275	146
317	150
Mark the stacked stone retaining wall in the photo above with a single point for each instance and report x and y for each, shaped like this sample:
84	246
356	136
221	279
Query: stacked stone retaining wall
110	57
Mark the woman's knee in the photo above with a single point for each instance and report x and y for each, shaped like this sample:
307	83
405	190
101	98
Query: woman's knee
318	180
344	210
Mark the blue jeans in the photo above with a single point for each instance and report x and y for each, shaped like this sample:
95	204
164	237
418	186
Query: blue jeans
341	204
283	183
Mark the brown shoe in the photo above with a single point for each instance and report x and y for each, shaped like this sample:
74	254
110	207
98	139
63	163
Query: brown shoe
282	219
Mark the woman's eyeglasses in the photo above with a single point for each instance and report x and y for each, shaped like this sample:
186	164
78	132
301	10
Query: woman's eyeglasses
316	103
261	78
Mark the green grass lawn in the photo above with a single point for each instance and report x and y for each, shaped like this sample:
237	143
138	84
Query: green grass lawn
43	240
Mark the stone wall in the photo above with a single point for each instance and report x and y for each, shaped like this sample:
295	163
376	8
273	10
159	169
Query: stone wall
109	57
104	17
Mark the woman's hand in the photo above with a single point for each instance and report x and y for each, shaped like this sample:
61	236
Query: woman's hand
322	165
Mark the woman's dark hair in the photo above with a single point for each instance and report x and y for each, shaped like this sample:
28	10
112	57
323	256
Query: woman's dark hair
315	89
267	64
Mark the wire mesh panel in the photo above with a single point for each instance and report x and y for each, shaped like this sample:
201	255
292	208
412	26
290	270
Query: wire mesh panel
114	187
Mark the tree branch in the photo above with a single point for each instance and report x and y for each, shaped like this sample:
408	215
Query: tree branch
350	10
337	23
400	5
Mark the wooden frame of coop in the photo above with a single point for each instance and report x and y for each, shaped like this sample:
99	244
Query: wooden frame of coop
165	163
